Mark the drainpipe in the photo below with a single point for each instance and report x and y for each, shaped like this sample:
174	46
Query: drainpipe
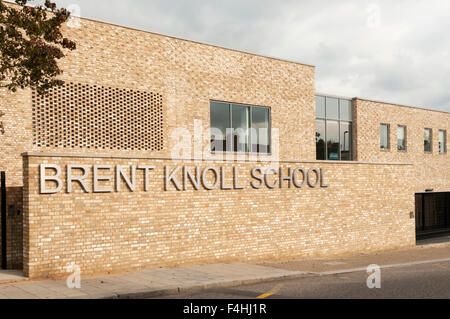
3	209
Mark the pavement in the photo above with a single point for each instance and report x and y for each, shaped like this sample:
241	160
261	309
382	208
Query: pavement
181	280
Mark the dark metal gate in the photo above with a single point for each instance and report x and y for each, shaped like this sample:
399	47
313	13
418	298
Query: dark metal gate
3	211
432	214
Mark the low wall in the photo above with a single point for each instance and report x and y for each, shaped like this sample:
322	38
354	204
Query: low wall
148	222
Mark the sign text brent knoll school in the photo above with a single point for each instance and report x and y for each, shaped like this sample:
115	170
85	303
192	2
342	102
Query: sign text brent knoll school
109	178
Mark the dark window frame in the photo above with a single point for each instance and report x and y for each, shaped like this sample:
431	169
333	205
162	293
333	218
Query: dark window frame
250	106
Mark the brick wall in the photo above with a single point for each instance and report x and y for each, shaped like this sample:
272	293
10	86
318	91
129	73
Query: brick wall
431	171
366	208
15	139
187	75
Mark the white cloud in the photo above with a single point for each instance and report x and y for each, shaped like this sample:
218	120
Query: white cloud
396	51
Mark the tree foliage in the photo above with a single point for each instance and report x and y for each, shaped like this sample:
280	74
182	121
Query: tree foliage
31	43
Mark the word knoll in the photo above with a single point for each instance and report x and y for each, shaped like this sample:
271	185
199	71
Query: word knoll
107	179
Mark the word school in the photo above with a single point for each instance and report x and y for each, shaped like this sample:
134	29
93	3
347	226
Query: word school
107	179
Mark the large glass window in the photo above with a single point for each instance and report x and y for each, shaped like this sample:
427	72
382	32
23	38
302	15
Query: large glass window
345	110
260	130
220	122
401	138
239	128
332	107
334	139
442	141
320	107
320	140
346	141
384	137
427	140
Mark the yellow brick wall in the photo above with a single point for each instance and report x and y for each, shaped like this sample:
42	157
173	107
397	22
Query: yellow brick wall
431	171
13	141
187	75
366	204
366	208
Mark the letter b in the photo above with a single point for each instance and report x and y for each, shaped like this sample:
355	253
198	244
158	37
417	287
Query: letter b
54	178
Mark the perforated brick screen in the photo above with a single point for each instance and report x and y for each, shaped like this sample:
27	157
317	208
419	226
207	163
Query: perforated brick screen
88	116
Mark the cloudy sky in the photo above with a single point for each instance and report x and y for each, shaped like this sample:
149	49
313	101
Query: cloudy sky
394	51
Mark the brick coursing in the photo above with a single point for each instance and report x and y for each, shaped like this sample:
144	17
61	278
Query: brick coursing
366	208
431	171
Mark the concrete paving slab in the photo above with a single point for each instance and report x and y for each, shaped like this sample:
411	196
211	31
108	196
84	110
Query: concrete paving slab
12	276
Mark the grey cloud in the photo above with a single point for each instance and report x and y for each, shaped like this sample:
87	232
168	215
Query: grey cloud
402	59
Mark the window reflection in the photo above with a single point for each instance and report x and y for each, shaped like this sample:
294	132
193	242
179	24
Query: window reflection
384	136
241	125
260	130
333	140
239	128
427	140
334	129
401	138
442	141
346	141
332	107
320	140
220	121
320	107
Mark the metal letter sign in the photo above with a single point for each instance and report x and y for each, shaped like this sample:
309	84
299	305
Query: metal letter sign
109	178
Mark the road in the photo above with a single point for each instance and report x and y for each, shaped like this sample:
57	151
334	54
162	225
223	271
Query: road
430	280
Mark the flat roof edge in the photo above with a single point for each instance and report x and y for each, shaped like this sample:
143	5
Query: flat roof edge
377	101
401	105
334	96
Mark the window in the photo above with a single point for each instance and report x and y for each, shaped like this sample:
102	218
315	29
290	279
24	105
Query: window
260	130
333	129
220	122
442	141
239	128
427	139
240	123
401	138
320	140
345	110
320	107
384	137
346	141
332	107
333	140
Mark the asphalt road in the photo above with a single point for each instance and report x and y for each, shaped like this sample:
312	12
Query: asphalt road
413	281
